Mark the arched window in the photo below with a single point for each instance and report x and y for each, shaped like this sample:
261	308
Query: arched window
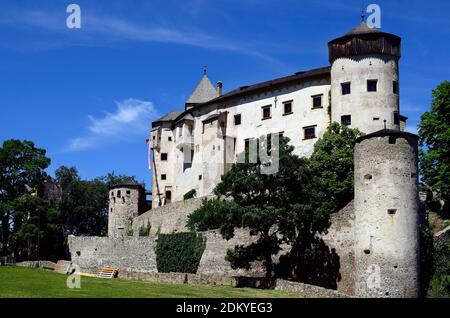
119	194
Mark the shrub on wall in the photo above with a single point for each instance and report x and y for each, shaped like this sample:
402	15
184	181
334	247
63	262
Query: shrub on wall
179	252
144	230
189	195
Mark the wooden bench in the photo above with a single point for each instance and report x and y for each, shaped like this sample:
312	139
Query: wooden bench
108	272
63	267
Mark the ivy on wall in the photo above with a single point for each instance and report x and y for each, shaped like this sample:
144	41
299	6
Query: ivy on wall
179	252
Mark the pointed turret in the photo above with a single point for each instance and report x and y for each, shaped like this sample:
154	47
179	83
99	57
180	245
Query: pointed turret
204	92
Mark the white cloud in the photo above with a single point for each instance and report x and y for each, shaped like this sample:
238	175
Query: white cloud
106	30
131	119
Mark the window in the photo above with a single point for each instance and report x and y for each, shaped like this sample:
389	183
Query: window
163	157
288	108
168	196
237	119
346	120
112	193
154	137
395	87
269	144
128	192
317	101
266	112
396	118
163	177
309	132
372	85
119	194
199	177
345	88
170	138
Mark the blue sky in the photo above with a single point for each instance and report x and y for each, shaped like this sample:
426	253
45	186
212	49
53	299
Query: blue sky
88	96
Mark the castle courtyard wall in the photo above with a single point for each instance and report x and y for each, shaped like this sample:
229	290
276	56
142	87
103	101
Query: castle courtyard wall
135	256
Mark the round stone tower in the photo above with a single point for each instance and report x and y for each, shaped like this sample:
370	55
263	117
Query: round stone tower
386	215
125	202
364	79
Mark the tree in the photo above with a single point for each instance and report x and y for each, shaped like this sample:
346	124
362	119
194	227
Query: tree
84	203
332	165
37	229
331	188
289	207
434	140
21	170
260	202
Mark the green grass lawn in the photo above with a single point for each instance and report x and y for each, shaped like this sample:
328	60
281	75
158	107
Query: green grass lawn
19	282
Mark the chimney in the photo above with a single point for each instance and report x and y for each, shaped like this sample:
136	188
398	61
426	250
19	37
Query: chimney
219	87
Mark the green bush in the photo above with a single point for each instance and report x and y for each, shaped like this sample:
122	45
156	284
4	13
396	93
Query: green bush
144	230
189	195
440	282
179	252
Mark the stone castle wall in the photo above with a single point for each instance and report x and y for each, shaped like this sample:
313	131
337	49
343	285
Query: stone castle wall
135	256
340	237
128	253
168	218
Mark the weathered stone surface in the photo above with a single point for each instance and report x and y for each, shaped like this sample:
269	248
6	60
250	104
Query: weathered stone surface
386	215
35	264
340	237
168	218
129	253
213	259
307	291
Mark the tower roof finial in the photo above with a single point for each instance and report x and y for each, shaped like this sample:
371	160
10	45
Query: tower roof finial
204	70
363	14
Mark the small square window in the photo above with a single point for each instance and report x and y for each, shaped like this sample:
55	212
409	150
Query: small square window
317	101
372	85
309	132
163	157
154	137
199	177
288	108
266	112
163	177
170	138
237	119
345	88
346	120
395	87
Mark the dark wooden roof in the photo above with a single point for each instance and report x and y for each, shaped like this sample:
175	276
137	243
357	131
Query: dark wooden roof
364	40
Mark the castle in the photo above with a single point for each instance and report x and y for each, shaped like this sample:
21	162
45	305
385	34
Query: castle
193	148
375	236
